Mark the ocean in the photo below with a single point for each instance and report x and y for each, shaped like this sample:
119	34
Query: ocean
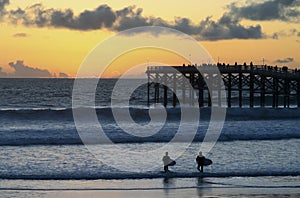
42	154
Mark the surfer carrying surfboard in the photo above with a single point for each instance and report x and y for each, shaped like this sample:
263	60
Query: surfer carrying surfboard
200	161
167	162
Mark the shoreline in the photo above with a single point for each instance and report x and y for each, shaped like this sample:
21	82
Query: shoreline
151	175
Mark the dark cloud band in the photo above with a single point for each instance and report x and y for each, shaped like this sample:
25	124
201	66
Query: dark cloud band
286	60
130	17
283	10
227	27
20	35
3	3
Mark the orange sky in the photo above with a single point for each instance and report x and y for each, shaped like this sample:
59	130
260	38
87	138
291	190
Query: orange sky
63	49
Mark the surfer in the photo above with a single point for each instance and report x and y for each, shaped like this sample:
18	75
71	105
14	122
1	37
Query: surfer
167	162
200	161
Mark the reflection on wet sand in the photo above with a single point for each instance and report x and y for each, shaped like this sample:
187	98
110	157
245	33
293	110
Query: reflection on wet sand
203	186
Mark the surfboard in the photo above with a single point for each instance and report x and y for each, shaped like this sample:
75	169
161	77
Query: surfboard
207	162
172	163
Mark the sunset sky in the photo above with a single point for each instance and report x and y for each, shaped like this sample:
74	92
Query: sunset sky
52	37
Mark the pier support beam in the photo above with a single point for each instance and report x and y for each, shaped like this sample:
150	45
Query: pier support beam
201	90
209	91
192	95
275	92
286	99
240	89
156	93
165	95
251	89
262	91
174	90
156	89
165	78
298	93
183	87
229	90
219	91
148	93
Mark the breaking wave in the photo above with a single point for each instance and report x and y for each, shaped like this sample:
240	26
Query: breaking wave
56	126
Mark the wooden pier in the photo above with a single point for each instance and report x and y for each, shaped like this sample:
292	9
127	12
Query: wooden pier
245	85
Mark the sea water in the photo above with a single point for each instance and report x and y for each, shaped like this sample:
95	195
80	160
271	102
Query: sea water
41	150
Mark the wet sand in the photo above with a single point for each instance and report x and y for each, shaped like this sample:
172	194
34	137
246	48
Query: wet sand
158	188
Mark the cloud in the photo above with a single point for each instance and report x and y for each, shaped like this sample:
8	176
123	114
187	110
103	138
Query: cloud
293	31
282	10
20	35
3	3
104	16
20	70
284	33
130	18
275	36
2	74
286	60
227	28
63	75
24	71
223	29
37	15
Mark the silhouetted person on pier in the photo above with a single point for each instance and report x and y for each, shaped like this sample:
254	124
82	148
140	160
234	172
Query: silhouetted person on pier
200	161
167	162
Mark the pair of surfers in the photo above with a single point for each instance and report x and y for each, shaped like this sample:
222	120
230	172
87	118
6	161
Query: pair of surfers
169	162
